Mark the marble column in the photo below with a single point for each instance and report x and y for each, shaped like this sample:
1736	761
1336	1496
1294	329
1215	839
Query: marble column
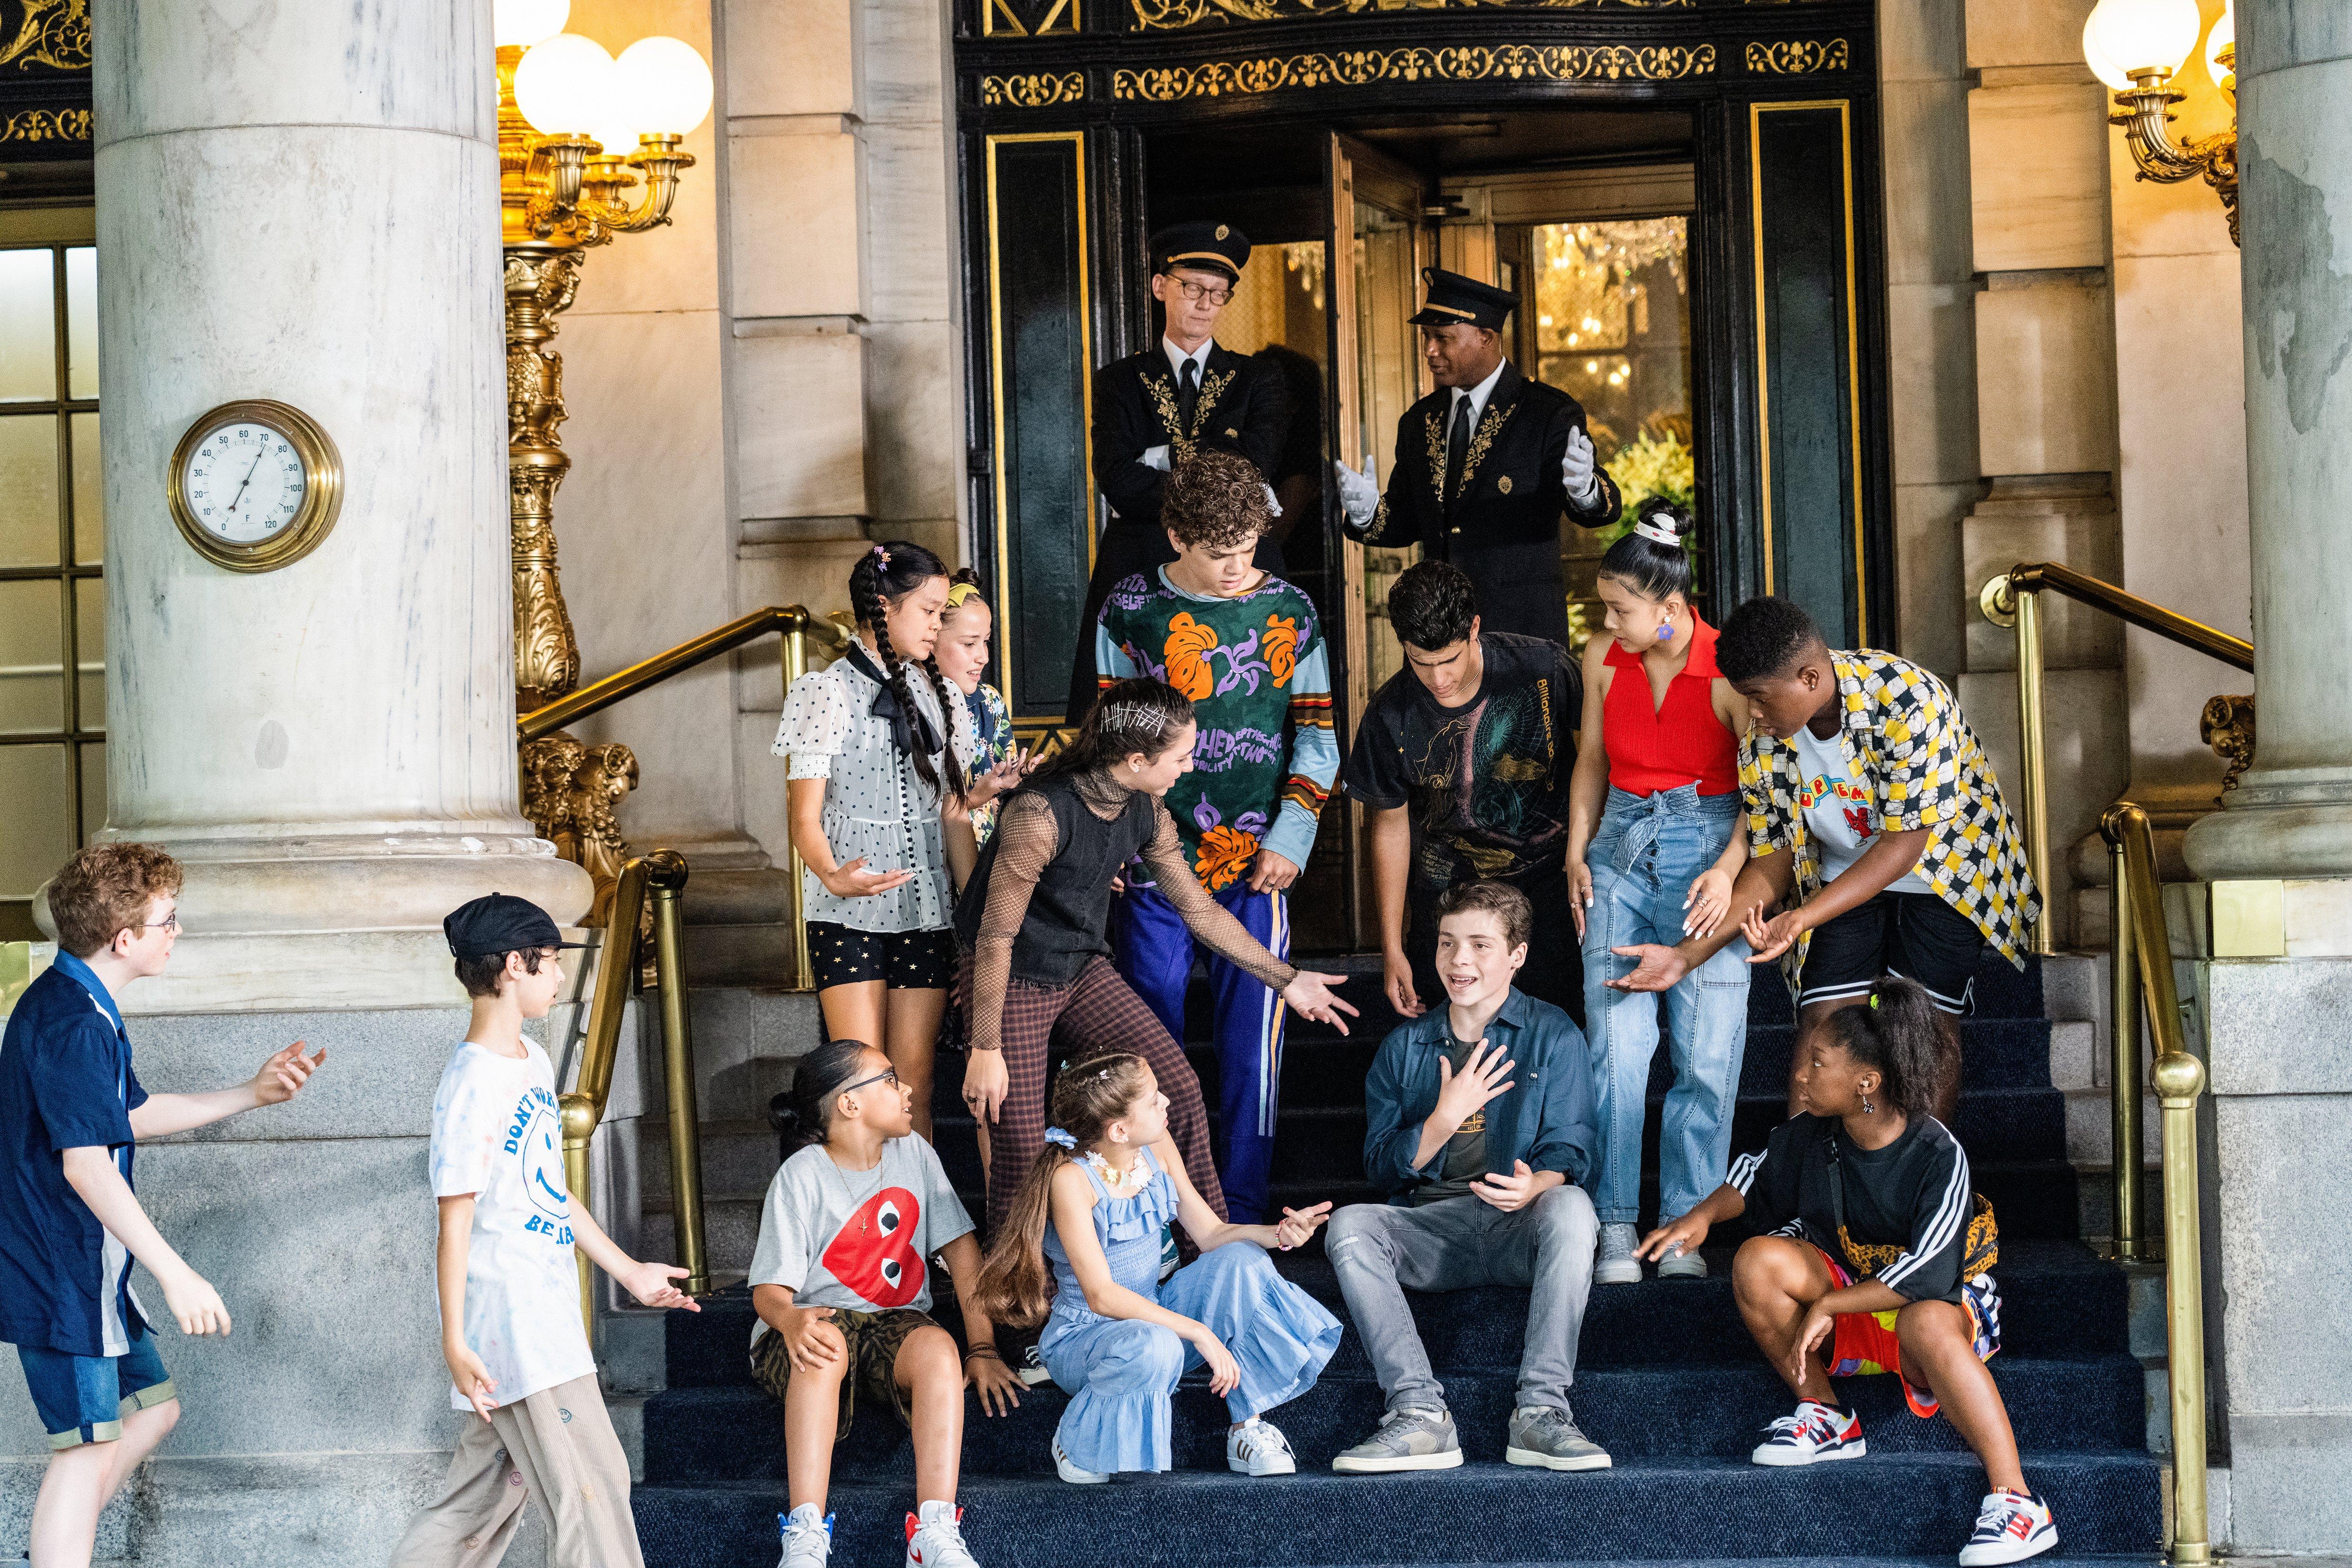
2290	816
301	205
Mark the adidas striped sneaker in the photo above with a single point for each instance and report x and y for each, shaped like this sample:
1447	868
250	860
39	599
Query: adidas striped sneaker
1815	1433
2011	1528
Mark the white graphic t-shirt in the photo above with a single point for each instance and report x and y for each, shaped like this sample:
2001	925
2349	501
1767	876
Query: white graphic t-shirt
498	1135
1841	807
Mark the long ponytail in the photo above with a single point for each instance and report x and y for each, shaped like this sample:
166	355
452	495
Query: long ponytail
1015	1288
883	576
1895	1031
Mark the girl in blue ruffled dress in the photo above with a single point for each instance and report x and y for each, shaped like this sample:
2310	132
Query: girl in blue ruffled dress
1117	1339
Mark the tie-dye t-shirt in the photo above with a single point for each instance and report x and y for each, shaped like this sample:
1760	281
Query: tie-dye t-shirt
498	1134
1260	680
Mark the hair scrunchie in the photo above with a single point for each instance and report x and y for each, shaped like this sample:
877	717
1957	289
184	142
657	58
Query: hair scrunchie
1055	1135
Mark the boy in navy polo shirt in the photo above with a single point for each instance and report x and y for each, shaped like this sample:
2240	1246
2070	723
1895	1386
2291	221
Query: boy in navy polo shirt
70	1111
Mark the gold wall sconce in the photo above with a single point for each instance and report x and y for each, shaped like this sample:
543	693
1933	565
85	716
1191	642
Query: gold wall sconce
578	131
2136	47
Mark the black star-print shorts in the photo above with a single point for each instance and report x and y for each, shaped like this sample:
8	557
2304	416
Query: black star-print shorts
901	960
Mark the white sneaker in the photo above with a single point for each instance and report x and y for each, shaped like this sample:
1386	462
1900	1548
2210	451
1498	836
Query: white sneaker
935	1539
1616	1264
1257	1447
1814	1433
1071	1473
808	1539
1033	1369
2011	1528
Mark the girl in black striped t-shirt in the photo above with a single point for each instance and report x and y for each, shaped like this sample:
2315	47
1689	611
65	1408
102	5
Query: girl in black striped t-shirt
1876	1257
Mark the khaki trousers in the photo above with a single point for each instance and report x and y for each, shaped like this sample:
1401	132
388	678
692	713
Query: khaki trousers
556	1445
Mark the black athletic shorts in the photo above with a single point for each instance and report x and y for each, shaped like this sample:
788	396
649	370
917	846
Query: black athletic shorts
901	960
1917	936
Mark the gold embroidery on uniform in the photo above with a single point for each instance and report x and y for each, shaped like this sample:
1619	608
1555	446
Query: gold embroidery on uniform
1503	485
1163	403
1487	427
1437	455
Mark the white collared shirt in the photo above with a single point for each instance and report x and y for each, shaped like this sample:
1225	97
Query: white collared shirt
1477	396
1199	358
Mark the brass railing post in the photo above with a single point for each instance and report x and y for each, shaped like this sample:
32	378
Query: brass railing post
2124	1018
2032	758
796	666
2179	1080
584	1107
668	885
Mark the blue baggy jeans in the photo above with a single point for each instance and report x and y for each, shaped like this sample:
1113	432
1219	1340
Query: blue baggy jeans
1643	857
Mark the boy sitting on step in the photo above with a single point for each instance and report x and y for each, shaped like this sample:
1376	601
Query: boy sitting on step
841	1279
1875	1257
1481	1126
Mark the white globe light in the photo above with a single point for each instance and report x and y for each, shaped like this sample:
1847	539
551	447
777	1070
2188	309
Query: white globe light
564	85
2223	36
2143	35
665	85
2102	66
617	138
522	23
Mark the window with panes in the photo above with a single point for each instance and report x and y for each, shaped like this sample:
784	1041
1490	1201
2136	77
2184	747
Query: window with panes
52	594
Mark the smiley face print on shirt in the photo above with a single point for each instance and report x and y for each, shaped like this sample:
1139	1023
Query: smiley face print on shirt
871	1254
535	1137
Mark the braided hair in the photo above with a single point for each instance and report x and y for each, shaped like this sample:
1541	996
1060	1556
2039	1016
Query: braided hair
884	575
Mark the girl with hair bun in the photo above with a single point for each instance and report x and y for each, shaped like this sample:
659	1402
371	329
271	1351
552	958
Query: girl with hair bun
1081	1251
1873	1255
1653	845
879	808
1033	922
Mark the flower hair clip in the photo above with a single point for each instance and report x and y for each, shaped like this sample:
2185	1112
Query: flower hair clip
1055	1135
884	556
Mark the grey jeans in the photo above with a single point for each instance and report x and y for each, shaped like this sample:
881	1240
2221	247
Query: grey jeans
1380	1252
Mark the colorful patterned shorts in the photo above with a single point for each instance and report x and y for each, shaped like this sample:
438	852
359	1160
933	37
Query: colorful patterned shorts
1864	1343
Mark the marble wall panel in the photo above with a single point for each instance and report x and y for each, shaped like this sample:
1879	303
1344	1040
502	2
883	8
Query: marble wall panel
2045	379
2068	522
2038	176
1930	587
2025	32
790	56
795	202
1921	41
1925	137
910	274
904	62
181	67
1932	345
800	426
914	441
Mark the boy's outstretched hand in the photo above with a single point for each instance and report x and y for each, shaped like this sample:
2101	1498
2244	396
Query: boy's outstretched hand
650	1284
283	1075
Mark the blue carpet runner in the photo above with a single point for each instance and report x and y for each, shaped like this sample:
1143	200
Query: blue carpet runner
1667	1380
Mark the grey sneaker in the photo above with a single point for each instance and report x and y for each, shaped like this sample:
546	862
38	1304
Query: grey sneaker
1548	1438
807	1537
1679	1265
1616	1264
1405	1440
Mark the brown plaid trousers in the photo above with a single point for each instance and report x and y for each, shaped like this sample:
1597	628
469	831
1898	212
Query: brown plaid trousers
1092	1016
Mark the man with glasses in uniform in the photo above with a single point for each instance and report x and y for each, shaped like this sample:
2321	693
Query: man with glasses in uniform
1486	466
1152	409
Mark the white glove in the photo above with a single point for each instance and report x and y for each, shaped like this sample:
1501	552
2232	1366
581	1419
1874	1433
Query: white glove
1360	494
1273	507
1157	457
1576	470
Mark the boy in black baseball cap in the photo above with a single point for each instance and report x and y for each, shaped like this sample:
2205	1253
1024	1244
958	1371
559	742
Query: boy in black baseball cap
510	1287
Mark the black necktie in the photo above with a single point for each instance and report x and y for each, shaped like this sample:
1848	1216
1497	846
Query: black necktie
1188	397
1457	449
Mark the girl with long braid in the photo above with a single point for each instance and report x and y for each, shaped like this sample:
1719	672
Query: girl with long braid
880	805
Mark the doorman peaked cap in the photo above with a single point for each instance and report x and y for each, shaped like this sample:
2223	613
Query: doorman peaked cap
1213	247
1452	298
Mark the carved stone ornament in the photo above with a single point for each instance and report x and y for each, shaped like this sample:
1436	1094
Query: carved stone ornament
570	792
1368	68
2228	726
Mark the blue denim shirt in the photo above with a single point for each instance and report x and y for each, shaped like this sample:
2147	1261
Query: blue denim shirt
1547	1118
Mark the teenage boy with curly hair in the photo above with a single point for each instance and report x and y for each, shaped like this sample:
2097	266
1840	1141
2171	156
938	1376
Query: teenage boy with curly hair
1244	645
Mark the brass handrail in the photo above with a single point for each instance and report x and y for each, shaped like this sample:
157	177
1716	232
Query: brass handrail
2179	1080
798	625
661	874
2013	599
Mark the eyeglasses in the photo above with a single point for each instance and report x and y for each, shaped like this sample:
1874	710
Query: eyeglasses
1192	290
887	1075
168	922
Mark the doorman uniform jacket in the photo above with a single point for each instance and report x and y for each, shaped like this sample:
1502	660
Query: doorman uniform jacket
1240	410
1503	526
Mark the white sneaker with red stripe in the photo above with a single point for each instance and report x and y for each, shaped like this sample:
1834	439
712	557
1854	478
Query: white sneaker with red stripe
2011	1528
1815	1433
935	1539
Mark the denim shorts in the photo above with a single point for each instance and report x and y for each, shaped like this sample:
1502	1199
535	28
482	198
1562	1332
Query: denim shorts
84	1398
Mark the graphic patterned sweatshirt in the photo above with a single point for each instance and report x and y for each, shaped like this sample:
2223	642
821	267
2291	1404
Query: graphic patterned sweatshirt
1260	680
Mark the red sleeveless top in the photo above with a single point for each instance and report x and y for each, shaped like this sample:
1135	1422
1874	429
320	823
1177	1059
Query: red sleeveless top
1675	742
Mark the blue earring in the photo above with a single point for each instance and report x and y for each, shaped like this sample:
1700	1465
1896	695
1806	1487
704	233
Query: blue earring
1666	632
